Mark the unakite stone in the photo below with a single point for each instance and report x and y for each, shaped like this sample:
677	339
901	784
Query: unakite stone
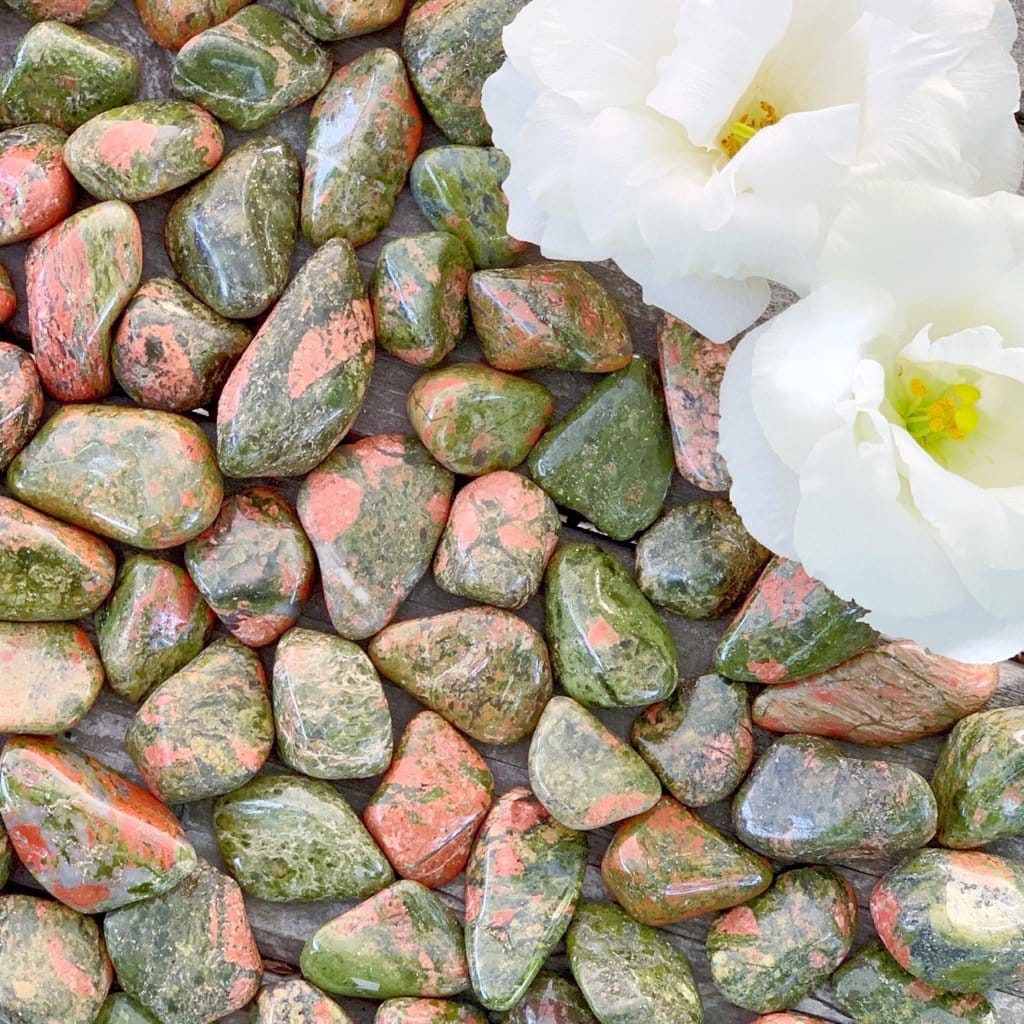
5	856
21	400
172	23
51	796
35	86
483	669
551	1000
501	532
330	711
207	729
122	1009
250	68
231	236
629	972
523	881
548	314
284	838
188	955
789	627
301	382
427	1011
144	478
431	801
953	919
788	1018
451	49
36	188
458	189
402	942
770	953
418	290
666	865
609	647
53	967
364	133
332	20
353	506
610	459
583	773
79	277
69	11
8	296
296	1002
874	989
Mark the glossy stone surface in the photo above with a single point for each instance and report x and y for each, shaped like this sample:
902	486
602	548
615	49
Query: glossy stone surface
36	189
352	506
231	236
188	956
5	856
21	400
431	801
551	1000
250	68
364	133
296	1002
79	277
331	20
145	478
402	942
610	458
122	1009
68	11
207	729
770	953
8	296
582	773
483	669
331	715
427	1011
172	23
523	881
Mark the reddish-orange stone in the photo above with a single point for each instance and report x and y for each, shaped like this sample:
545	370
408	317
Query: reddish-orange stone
36	188
21	400
8	298
172	23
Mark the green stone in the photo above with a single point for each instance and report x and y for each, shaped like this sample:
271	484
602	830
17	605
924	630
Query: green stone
296	1002
332	20
122	1009
427	1011
611	458
72	12
551	1000
5	856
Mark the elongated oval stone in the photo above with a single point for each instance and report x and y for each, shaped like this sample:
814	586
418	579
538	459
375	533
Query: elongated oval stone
21	400
296	1002
427	1011
583	773
250	68
330	712
523	881
122	1009
207	729
431	801
79	277
36	188
145	478
402	942
551	1000
629	972
231	236
352	506
187	955
53	967
458	189
483	669
770	953
51	796
285	838
172	23
364	133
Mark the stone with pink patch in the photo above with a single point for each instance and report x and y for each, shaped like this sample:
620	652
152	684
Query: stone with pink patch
36	188
21	400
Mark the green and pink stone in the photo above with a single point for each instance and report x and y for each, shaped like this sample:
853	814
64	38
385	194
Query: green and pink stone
36	188
21	400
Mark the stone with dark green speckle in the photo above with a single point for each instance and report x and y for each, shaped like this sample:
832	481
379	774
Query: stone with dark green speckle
296	1002
5	856
332	20
551	1000
71	12
172	23
122	1009
21	401
8	296
427	1011
36	188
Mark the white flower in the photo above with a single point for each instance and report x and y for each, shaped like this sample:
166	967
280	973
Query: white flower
875	429
703	144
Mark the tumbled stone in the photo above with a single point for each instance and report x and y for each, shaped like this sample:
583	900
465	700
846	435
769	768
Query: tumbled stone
53	967
51	796
402	942
483	669
188	955
332	20
253	566
21	400
431	801
501	532
331	715
8	296
548	314
145	478
79	277
551	1000
35	86
427	1011
353	506
418	291
71	12
172	23
364	133
583	773
250	68
458	189
207	729
629	972
231	236
770	953
5	856
301	382
36	188
610	459
523	881
296	1002
788	1018
122	1009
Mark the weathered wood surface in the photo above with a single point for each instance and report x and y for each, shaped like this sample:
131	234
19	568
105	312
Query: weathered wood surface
281	929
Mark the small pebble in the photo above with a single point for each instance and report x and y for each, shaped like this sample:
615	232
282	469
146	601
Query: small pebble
551	1000
296	1002
427	1011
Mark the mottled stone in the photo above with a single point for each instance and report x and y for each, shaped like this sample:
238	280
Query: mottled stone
172	23
788	1018
122	1009
21	400
72	12
5	856
551	1000
36	188
332	20
353	506
8	296
296	1002
483	669
427	1011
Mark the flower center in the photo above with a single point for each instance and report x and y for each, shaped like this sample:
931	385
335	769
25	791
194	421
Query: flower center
749	124
933	416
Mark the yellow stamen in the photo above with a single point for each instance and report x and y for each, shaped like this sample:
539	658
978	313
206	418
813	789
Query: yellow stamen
743	130
949	415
